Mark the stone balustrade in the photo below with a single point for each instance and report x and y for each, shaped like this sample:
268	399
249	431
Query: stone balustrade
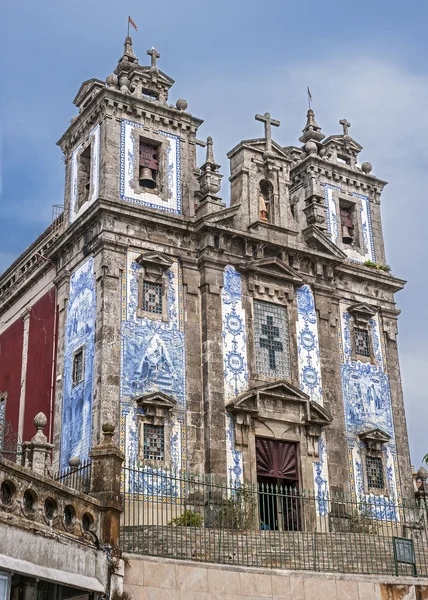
30	498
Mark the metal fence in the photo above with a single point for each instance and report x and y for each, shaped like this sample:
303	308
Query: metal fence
77	477
265	525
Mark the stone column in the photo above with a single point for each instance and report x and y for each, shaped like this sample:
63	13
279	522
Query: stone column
109	264
212	370
106	465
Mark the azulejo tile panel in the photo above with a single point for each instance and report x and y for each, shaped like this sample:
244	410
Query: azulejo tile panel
172	203
152	359
310	377
76	434
367	405
75	211
333	225
234	359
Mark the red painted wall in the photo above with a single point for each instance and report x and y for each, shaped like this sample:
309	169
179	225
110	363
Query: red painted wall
39	380
10	369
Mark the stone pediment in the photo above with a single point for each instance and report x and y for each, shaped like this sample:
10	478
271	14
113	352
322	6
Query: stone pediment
279	401
362	312
316	239
88	87
339	139
374	439
156	404
274	397
271	267
259	145
222	216
154	258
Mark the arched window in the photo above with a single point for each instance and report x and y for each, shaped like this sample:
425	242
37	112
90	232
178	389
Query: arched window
265	201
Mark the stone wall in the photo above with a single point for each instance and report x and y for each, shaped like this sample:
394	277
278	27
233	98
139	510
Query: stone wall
162	579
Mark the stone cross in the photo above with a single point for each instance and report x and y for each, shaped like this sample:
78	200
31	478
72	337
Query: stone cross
345	124
268	121
154	54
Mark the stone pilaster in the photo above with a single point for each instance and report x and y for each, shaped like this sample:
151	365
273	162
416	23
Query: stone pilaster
397	401
194	401
62	283
109	265
212	371
26	318
328	318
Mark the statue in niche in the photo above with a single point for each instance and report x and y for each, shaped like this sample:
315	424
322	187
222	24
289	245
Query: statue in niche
265	196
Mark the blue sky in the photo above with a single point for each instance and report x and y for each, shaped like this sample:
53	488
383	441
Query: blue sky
365	61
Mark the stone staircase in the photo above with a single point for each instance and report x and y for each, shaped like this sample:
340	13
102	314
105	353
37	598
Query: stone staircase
327	552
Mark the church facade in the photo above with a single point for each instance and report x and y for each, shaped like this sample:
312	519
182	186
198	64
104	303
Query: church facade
257	341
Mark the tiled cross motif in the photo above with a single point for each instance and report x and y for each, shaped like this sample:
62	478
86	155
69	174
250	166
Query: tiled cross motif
270	342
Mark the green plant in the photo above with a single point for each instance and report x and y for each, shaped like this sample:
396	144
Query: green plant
188	519
362	521
373	265
116	595
238	511
425	459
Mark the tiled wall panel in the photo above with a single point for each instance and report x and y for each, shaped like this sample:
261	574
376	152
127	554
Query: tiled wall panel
76	434
171	199
152	359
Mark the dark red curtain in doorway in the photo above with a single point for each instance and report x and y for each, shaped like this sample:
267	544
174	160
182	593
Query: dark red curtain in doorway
276	459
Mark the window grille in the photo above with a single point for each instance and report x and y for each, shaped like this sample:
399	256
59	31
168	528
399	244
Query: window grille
152	297
271	340
374	470
154	442
78	366
362	342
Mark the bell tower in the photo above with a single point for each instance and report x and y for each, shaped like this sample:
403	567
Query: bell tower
259	176
127	144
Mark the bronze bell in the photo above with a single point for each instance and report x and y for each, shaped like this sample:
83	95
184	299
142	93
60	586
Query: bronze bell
146	178
346	235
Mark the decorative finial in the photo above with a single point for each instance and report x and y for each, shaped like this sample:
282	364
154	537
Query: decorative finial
346	125
366	167
268	121
312	131
210	153
128	48
154	55
181	104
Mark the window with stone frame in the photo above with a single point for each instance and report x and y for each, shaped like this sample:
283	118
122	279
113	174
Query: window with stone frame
374	472
152	297
78	365
153	442
84	175
271	335
362	342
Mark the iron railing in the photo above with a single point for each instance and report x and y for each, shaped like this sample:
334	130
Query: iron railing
77	477
10	442
207	519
